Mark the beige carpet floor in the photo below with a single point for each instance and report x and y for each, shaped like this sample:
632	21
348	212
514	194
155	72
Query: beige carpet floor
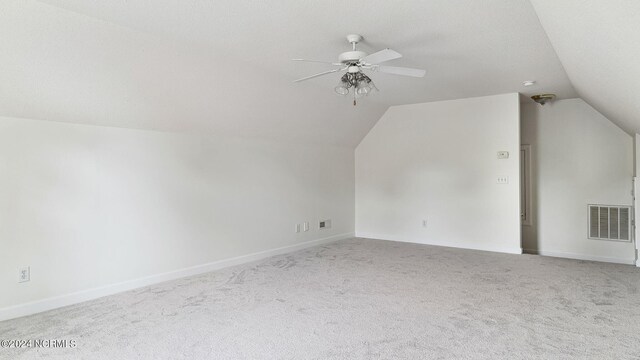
360	299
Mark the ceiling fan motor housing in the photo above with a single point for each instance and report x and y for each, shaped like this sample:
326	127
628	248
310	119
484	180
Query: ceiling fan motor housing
351	56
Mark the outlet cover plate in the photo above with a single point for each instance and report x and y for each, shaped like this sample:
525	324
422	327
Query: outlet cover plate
24	274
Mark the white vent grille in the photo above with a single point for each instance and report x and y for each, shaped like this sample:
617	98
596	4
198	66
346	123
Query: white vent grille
610	222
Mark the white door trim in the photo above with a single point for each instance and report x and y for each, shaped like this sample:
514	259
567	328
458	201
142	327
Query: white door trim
526	215
636	217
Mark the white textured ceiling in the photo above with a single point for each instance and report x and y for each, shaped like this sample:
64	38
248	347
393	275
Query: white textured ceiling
598	43
224	66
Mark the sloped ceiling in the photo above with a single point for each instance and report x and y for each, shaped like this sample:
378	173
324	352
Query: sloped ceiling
598	43
224	66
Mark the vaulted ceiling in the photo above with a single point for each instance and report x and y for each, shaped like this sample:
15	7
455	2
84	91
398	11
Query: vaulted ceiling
224	66
598	43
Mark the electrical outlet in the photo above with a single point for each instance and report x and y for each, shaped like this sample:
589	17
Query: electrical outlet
424	223
502	180
297	228
305	226
24	274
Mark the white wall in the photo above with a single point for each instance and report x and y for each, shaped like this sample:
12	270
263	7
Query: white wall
636	149
579	157
437	161
86	206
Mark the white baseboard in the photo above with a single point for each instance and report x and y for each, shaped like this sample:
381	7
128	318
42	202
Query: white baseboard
508	250
581	257
90	294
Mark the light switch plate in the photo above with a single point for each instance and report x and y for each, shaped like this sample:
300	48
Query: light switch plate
24	274
502	180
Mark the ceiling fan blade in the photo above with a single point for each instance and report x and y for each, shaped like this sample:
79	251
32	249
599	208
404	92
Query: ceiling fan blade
318	61
319	74
401	71
380	57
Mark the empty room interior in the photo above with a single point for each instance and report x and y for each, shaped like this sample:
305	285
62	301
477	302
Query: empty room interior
417	179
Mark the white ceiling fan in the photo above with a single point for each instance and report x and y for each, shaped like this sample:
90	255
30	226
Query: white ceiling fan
355	61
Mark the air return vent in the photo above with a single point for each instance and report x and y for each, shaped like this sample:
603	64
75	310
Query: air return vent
610	222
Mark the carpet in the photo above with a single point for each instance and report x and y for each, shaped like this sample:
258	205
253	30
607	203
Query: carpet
359	299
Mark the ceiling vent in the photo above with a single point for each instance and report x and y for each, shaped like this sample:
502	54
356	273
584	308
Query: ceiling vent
610	222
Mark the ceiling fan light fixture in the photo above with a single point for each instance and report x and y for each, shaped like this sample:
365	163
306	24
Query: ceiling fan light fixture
342	88
343	85
364	85
364	88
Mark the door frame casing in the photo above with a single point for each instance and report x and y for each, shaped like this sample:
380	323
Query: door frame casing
636	217
526	208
